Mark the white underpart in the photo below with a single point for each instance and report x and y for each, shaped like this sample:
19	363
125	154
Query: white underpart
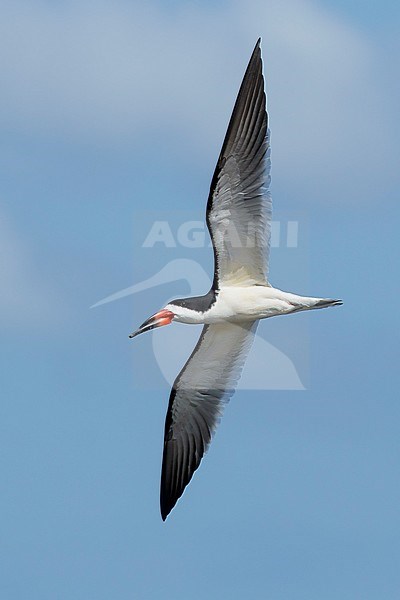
245	304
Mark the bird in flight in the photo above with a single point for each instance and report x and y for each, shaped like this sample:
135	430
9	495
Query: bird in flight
238	218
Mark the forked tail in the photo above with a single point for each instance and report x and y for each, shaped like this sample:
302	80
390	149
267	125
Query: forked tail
325	302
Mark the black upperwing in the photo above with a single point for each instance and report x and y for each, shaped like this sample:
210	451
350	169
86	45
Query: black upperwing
197	399
239	205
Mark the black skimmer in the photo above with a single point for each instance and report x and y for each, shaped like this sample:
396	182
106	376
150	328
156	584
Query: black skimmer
239	221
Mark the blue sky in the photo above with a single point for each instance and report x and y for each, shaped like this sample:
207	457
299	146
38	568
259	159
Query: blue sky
111	114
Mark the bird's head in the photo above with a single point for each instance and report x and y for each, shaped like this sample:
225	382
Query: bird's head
162	317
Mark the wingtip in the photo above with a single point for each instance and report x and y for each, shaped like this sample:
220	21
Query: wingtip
166	503
165	510
257	47
256	54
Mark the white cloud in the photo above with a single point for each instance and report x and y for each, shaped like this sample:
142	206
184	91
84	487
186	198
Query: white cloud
102	71
26	300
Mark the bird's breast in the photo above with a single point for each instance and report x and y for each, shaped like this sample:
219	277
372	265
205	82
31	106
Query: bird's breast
249	303
234	303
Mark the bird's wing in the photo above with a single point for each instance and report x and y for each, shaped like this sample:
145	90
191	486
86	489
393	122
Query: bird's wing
239	205
200	391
